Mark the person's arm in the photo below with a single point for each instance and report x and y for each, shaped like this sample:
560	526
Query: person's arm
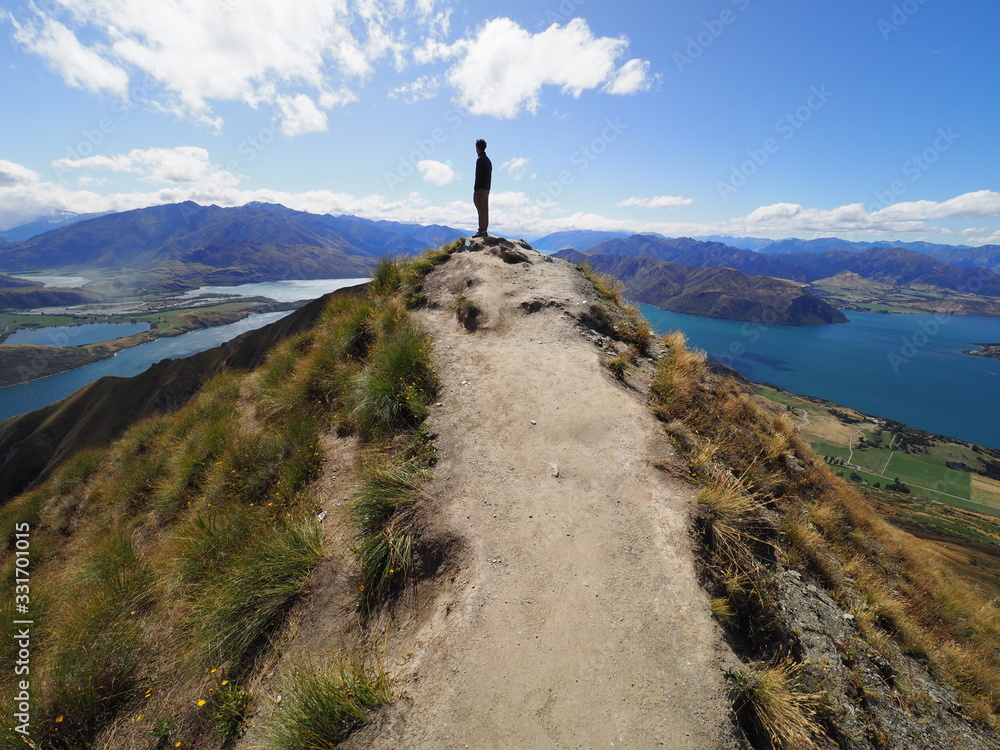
480	173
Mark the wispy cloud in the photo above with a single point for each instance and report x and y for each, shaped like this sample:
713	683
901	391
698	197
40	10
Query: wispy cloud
658	201
516	167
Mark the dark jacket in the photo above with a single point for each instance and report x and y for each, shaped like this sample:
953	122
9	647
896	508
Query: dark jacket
484	172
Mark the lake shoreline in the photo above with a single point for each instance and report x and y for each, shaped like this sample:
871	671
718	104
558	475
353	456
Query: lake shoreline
46	361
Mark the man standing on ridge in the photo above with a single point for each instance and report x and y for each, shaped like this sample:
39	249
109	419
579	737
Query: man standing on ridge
481	190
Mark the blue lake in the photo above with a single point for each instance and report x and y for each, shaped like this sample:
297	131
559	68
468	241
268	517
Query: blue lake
909	368
25	397
90	333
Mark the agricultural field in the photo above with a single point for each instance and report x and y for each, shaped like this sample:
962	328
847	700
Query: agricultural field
879	452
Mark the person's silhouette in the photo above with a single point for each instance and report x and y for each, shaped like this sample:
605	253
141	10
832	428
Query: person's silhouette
481	190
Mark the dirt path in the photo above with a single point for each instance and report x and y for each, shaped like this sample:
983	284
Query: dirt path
575	619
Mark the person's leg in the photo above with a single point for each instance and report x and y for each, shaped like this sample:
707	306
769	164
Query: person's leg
481	200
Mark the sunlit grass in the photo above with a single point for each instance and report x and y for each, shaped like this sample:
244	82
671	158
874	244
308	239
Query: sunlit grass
323	702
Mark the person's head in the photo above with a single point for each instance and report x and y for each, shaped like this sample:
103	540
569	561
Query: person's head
480	146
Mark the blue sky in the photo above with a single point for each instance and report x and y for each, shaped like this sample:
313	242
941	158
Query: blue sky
857	118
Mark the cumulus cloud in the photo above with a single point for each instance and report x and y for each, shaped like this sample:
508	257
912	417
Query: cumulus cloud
435	172
299	114
203	53
658	201
503	68
516	167
12	174
631	78
184	165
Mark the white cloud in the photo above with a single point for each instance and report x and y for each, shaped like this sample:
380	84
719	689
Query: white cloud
900	218
979	203
435	172
631	78
516	167
80	66
299	114
13	174
504	68
425	87
259	52
184	165
659	201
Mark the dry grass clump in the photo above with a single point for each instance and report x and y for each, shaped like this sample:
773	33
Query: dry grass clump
769	705
637	332
608	288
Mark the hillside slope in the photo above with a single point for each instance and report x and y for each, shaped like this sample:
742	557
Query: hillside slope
575	617
33	444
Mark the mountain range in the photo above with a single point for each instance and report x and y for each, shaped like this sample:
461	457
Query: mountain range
170	248
963	256
893	266
183	245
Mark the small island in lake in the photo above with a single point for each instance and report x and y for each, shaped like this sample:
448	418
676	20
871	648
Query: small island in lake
985	350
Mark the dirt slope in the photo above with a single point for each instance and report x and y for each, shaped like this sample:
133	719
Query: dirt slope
573	617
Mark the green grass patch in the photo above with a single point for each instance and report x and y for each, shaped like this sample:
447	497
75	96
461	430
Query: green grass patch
325	702
382	512
392	392
250	573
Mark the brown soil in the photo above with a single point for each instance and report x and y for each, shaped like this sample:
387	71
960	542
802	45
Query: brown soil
572	615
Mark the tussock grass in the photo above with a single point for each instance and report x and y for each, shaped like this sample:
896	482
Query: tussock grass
382	512
619	366
96	660
466	311
323	702
386	279
769	705
637	332
608	288
902	599
393	390
250	572
182	548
